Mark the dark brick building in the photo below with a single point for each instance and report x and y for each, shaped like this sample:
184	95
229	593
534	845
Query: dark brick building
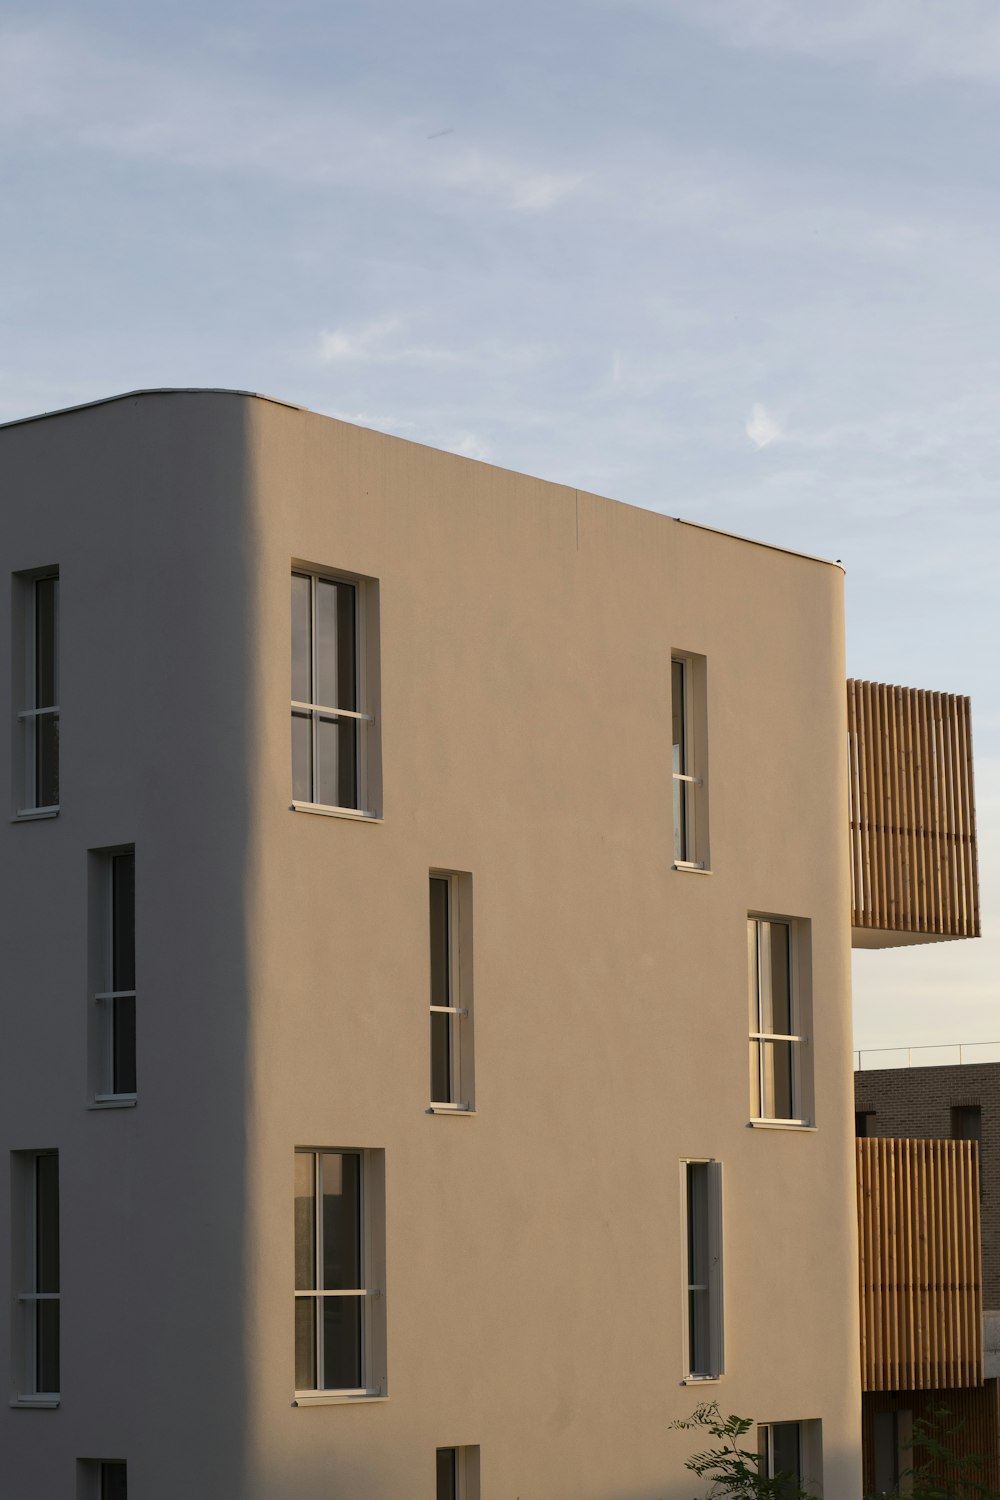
960	1102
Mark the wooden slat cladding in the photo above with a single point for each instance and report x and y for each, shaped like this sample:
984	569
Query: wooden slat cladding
921	1264
967	1421
913	813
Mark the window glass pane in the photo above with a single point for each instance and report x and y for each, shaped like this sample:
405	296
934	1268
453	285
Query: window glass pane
341	1188
447	1474
45	686
775	977
301	638
699	1352
47	1346
777	1061
342	1323
440	942
46	747
336	646
305	1223
302	789
123	921
338	760
785	1456
885	1433
113	1482
305	1343
679	761
967	1123
441	1090
47	1224
123	1045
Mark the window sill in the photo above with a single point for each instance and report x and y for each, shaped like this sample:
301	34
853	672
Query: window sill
450	1109
357	814
689	869
802	1125
701	1379
40	1403
32	814
334	1398
113	1101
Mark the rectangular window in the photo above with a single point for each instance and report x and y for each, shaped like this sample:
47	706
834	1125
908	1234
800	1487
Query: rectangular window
791	1457
334	686
37	672
102	1479
864	1122
451	991
892	1443
115	976
967	1123
339	1306
457	1473
778	966
690	794
35	1181
702	1189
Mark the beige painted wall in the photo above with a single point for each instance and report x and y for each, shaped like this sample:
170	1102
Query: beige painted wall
535	1269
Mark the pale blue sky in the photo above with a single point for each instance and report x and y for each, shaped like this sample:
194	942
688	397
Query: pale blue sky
730	259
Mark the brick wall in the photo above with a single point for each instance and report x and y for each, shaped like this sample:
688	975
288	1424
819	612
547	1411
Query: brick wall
918	1102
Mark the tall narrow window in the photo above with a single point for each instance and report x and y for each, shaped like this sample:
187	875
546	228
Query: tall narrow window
458	1473
332	728
450	992
778	1083
116	997
37	1262
39	717
690	799
338	1323
703	1215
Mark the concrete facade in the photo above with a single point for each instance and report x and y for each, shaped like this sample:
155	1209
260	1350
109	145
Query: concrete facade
534	1293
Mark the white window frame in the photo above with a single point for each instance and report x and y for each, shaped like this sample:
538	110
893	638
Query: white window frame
24	1183
692	778
714	1286
29	715
107	995
799	978
466	1469
366	673
462	1081
372	1233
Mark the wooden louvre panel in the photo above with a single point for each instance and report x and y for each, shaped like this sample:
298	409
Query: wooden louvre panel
921	1264
912	809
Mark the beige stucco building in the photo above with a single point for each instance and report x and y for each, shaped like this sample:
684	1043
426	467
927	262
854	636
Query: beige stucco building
280	1231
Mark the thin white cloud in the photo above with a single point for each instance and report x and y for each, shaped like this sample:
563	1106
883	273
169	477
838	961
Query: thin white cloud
763	428
959	39
66	89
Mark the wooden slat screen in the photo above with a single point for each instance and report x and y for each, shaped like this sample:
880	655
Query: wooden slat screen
913	813
921	1264
974	1411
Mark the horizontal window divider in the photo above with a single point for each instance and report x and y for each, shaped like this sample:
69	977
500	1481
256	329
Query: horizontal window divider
116	995
774	1036
450	1010
691	780
333	713
350	1292
359	815
38	1296
28	814
35	713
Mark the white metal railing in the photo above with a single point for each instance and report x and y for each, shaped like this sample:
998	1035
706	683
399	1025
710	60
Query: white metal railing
948	1053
